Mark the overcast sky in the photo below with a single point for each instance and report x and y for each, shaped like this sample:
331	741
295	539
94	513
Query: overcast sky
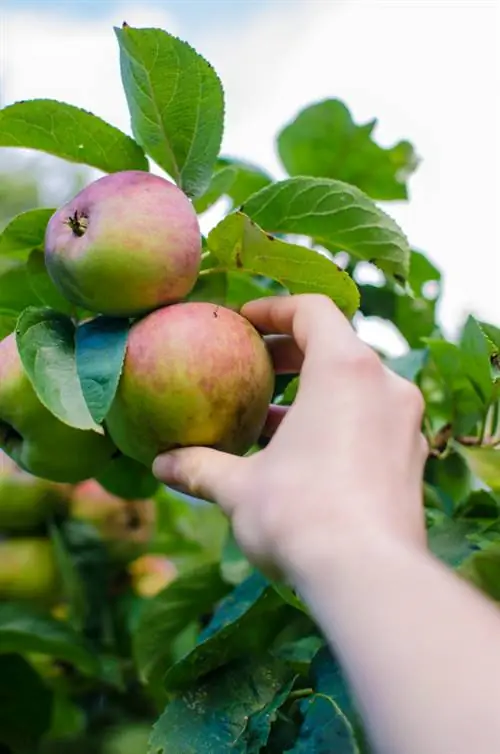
427	69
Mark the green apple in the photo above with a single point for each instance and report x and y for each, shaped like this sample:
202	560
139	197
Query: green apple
194	374
28	570
126	244
37	440
125	526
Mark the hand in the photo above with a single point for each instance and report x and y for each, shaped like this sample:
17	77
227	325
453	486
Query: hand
345	461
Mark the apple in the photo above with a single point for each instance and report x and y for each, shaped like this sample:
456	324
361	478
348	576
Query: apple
36	439
125	526
194	374
151	573
126	244
28	570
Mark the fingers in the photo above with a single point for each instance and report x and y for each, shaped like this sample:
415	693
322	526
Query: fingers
202	472
286	355
275	416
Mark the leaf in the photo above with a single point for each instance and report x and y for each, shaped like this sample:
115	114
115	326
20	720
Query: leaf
324	141
259	723
234	566
8	321
484	463
210	287
176	104
450	476
164	617
213	717
449	541
337	216
482	569
25	704
25	232
239	244
409	365
129	479
221	182
245	623
249	179
70	133
325	729
43	286
46	344
476	358
73	591
24	631
100	352
16	292
288	595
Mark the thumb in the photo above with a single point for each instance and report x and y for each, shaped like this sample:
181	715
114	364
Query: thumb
202	472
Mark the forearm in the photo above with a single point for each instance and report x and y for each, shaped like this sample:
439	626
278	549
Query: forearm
420	648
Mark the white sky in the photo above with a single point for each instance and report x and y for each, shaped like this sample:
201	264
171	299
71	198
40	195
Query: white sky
428	70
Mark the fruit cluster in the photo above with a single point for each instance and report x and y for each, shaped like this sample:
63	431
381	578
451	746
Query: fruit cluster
129	245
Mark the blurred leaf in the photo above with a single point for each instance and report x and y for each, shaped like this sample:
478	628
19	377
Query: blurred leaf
450	476
242	288
244	623
16	292
25	704
214	717
25	232
260	722
221	182
409	365
164	617
337	216
176	104
288	595
71	133
491	332
100	351
422	272
238	243
46	343
482	569
476	358
480	504
249	179
324	141
449	541
484	463
325	728
129	479
210	287
43	286
8	321
234	565
73	592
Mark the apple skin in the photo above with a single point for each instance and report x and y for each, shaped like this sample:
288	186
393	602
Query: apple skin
194	374
34	438
151	573
126	526
28	570
126	244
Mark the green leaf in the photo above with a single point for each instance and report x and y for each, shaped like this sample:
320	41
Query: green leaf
409	365
242	288
324	141
24	631
221	182
25	704
249	179
163	618
484	463
100	352
476	358
210	287
239	244
325	728
482	569
8	321
43	286
337	216
16	292
74	595
259	723
234	566
71	133
245	623
129	479
46	343
214	716
25	232
449	541
176	104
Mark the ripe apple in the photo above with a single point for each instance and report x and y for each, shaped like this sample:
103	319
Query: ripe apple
37	440
28	570
151	573
126	244
194	374
125	526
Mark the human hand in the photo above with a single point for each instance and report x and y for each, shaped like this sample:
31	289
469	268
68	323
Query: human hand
345	461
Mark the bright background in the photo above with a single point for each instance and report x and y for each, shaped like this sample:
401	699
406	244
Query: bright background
428	70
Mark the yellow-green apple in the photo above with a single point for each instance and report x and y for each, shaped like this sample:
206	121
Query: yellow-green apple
151	573
125	526
28	570
26	501
126	244
194	374
37	440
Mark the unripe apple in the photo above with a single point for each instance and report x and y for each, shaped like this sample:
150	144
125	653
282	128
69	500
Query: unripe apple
28	570
194	374
37	440
151	573
125	526
126	244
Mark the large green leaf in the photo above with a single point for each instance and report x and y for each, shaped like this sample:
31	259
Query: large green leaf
129	479
25	705
324	141
476	358
16	291
249	179
335	214
176	104
71	133
46	343
484	463
43	286
238	244
25	233
221	182
325	728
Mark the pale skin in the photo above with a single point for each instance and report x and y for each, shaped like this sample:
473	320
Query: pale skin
334	505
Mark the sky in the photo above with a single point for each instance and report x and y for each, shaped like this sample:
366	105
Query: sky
427	69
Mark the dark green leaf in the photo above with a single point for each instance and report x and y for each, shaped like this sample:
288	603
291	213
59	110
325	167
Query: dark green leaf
8	321
100	352
479	505
46	343
249	179
449	541
176	104
325	729
476	358
43	286
73	591
259	723
238	243
71	133
129	479
221	182
335	214
450	476
482	569
25	704
324	141
25	232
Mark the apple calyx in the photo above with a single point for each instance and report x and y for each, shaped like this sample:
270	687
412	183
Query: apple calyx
79	222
